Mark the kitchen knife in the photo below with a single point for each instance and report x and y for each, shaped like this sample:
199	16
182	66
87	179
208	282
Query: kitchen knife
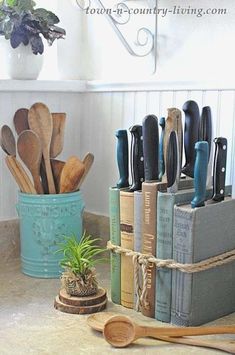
137	159
173	163
200	173
150	147
205	134
219	172
162	123
122	158
191	136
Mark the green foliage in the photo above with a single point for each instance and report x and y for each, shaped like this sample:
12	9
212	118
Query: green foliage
20	23
80	257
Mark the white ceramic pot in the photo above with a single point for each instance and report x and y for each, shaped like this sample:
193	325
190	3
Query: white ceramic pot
21	63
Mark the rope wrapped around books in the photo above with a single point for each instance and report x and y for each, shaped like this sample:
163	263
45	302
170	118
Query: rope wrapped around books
141	262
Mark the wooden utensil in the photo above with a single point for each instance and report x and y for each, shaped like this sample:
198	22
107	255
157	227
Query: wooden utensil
40	121
98	320
20	176
30	151
21	120
121	331
57	167
87	161
57	139
8	142
71	175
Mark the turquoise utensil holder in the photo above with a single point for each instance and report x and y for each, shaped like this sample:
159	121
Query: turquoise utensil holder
44	219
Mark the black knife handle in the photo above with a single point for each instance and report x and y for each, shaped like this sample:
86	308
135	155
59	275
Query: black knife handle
122	158
162	123
219	173
191	135
172	159
150	147
137	159
205	133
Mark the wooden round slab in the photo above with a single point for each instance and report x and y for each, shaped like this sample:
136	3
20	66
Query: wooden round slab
98	298
79	310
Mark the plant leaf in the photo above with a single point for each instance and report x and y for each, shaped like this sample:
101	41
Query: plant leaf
36	44
49	17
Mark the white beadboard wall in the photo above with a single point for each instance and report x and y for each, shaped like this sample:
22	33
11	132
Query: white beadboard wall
93	117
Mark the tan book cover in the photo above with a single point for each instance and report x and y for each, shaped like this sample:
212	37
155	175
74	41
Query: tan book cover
127	241
150	191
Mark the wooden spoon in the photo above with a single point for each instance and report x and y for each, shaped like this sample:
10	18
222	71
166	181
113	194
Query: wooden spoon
121	331
8	142
30	152
87	161
71	175
21	120
57	167
57	139
40	121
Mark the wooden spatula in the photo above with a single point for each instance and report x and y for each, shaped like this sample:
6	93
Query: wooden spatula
71	175
57	167
20	176
30	152
40	121
8	140
87	161
21	120
57	139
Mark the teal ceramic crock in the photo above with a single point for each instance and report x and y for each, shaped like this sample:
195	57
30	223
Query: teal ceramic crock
44	220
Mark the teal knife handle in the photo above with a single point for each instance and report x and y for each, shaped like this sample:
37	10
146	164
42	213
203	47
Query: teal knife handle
162	123
200	173
122	158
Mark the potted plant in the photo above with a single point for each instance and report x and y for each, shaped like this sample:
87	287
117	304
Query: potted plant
24	27
79	260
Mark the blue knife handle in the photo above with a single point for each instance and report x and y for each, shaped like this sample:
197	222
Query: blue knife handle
162	123
206	127
219	173
200	174
137	159
191	135
150	147
122	158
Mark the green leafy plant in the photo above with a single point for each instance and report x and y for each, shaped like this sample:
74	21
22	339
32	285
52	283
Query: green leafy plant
21	22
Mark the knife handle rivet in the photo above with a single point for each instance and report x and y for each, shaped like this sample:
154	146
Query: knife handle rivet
224	147
142	159
223	170
221	192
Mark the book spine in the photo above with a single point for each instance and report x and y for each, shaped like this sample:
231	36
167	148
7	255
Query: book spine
114	218
127	241
183	253
165	208
138	213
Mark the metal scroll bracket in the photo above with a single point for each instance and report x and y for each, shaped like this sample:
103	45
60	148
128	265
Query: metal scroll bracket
145	42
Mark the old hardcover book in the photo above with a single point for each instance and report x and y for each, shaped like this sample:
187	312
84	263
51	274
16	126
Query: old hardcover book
199	234
127	241
138	213
115	237
150	192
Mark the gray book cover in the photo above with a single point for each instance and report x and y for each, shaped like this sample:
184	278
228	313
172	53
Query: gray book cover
138	218
200	234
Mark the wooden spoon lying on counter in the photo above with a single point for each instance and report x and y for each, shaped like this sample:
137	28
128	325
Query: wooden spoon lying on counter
57	139
7	140
71	175
21	120
30	151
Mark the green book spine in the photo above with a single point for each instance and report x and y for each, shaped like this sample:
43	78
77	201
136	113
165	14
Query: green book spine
114	217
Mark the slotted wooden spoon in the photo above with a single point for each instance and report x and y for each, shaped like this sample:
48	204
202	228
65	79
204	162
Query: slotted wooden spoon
40	121
57	139
7	141
30	151
71	175
21	120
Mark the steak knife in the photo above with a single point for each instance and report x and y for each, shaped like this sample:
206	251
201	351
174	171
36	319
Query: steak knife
219	171
173	163
122	158
150	147
137	159
191	136
162	123
200	173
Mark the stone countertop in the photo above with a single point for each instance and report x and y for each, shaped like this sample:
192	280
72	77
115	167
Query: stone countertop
30	324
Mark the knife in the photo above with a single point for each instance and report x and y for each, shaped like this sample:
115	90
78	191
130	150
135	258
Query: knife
191	136
200	173
122	158
205	134
162	123
137	159
219	171
173	163
150	147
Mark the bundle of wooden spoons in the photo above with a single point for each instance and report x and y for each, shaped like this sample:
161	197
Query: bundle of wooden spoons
40	141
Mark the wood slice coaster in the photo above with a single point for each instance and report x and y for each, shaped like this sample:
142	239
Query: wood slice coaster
92	300
79	309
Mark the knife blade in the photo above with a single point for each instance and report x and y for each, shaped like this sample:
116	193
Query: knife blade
200	173
137	159
150	147
173	163
162	123
122	158
191	136
219	171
